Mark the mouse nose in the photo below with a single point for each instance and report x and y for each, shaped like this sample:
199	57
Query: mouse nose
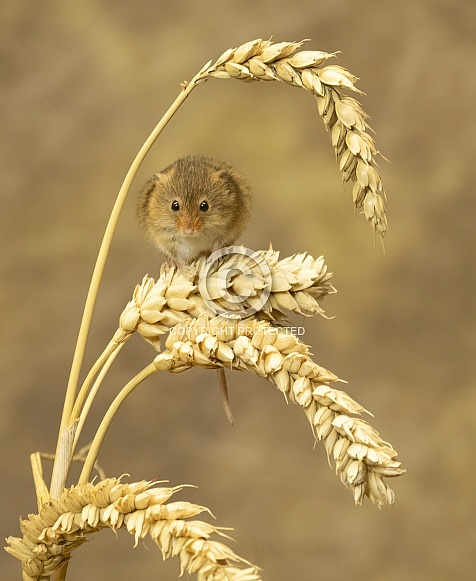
189	225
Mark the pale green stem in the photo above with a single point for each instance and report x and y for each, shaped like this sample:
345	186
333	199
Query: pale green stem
102	256
92	394
106	422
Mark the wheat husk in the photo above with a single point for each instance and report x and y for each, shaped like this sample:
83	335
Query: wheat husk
140	508
362	459
343	116
297	283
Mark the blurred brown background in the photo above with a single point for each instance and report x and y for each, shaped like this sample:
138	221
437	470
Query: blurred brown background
83	83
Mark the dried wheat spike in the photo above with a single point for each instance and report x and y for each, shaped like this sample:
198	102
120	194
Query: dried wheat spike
362	459
297	283
343	116
62	525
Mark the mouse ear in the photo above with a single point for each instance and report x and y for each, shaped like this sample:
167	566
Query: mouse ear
234	181
151	184
163	176
227	176
159	178
147	193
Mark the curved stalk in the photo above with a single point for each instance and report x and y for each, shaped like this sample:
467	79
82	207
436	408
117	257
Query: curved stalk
92	394
104	250
106	422
95	369
66	417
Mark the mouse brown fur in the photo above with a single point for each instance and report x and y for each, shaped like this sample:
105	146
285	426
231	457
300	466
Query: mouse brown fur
193	207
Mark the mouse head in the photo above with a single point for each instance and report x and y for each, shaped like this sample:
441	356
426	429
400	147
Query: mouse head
198	196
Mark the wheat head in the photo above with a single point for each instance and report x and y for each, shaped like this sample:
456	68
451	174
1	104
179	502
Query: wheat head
141	508
343	116
173	305
297	283
362	459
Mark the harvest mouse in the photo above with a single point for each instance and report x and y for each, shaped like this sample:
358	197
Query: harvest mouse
192	208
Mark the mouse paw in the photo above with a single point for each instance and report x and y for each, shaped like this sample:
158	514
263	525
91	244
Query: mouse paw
187	271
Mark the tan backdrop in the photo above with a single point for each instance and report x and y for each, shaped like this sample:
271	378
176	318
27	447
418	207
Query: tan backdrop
83	83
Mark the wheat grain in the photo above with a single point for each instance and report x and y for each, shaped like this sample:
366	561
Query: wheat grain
297	283
62	525
173	304
343	116
362	459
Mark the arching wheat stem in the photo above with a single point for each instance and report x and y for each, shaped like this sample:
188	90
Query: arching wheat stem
102	257
106	243
106	421
110	349
92	394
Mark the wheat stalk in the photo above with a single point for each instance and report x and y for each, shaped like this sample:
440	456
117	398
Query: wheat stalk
141	508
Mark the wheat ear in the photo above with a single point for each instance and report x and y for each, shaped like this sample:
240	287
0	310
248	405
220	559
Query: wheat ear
298	283
141	508
343	116
362	459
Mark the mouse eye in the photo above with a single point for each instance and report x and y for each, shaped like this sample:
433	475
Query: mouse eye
204	206
175	206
